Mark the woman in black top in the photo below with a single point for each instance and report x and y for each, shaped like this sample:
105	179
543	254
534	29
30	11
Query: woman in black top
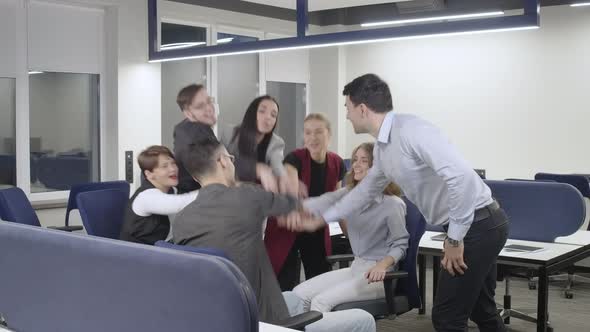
321	171
146	219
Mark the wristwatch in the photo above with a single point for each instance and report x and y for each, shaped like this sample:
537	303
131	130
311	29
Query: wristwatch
453	243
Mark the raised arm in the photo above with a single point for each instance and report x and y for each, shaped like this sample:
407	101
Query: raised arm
371	186
318	205
153	201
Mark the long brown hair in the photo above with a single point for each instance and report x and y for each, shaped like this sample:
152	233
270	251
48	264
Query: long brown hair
392	189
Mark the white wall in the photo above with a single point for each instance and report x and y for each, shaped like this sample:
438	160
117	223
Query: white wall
139	102
515	103
326	82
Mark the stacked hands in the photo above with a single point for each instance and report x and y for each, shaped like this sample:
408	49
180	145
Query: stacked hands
302	220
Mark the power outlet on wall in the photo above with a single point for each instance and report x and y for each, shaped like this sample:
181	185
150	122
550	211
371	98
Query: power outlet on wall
129	166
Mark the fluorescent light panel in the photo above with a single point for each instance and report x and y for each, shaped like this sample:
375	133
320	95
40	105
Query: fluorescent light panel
436	18
224	40
33	72
175	46
350	43
580	4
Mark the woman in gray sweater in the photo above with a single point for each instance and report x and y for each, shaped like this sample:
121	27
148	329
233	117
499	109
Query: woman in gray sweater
378	238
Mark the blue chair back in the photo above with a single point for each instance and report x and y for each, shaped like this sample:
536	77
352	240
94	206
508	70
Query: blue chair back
79	188
206	251
580	182
103	211
416	225
250	298
15	207
94	284
539	211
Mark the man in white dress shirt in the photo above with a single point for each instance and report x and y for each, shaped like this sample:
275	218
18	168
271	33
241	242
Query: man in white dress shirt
432	173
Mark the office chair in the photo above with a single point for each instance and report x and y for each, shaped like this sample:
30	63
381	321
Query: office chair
103	211
84	187
16	207
405	295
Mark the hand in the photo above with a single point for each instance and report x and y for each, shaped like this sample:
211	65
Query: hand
376	273
299	221
302	190
288	186
453	259
267	178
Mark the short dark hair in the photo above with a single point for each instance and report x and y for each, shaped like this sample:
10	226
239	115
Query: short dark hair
148	158
370	90
186	95
199	157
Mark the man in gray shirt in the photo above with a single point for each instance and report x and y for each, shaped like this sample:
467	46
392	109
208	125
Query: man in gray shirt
229	217
432	173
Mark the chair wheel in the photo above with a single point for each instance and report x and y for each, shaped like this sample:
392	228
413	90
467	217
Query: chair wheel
569	295
532	285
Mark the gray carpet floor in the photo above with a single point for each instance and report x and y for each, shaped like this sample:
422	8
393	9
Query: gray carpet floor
565	314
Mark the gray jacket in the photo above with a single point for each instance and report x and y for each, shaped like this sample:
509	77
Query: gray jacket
246	169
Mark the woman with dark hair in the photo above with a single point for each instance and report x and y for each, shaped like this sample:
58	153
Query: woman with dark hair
146	219
377	235
320	171
258	150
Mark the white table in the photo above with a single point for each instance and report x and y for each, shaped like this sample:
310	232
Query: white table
264	327
550	258
580	238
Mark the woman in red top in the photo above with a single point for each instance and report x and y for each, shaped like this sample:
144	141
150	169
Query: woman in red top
321	171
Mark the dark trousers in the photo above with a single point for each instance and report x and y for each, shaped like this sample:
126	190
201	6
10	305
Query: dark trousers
471	295
312	249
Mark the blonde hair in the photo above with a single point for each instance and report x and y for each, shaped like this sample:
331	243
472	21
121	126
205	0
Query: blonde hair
319	117
392	189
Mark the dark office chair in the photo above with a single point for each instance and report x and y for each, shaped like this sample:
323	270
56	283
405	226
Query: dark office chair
15	207
296	322
84	187
103	211
405	296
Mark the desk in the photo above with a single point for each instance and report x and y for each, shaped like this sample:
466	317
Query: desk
264	327
580	238
553	257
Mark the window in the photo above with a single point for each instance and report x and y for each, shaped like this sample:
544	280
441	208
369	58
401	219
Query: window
7	133
64	130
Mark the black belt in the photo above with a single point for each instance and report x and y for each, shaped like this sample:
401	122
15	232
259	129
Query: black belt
486	211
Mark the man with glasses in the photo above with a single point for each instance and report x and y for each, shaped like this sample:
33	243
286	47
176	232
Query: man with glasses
228	217
199	112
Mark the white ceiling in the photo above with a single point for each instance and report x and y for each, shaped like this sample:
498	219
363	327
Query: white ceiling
315	5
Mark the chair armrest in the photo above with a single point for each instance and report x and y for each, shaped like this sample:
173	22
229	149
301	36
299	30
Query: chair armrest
394	275
298	322
67	228
344	260
390	291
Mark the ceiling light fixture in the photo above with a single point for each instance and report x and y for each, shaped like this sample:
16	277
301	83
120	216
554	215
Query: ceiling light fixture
350	43
435	18
175	46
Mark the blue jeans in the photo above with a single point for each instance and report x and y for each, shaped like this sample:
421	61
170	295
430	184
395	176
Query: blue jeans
352	320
